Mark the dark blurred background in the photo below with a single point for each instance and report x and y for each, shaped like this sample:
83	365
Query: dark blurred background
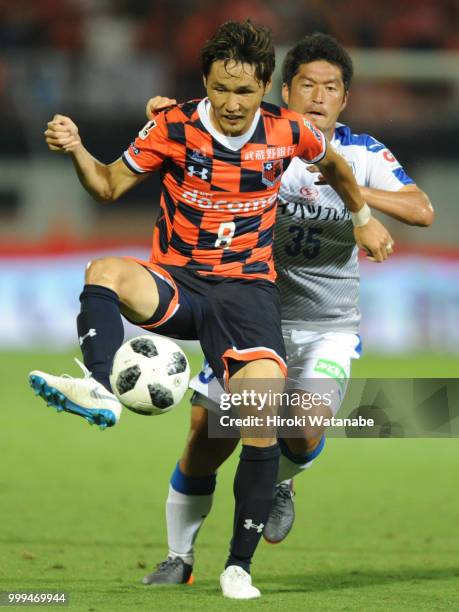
98	61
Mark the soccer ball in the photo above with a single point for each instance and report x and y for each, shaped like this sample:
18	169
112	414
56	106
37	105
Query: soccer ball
150	374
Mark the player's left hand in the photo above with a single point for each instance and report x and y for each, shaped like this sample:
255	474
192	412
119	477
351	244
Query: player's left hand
157	104
374	239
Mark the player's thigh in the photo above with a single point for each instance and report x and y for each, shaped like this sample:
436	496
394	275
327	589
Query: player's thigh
261	372
202	455
132	282
325	363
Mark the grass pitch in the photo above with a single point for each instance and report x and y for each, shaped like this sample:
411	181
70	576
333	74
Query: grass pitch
82	512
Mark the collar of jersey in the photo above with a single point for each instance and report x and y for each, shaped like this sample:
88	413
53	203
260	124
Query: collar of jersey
230	142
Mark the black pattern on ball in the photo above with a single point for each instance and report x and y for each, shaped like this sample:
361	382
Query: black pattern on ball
160	396
127	379
177	363
144	346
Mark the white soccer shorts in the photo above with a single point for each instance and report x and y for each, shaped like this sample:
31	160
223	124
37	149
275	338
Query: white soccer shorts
311	356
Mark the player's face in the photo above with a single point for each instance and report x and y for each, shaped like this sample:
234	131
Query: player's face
235	95
317	91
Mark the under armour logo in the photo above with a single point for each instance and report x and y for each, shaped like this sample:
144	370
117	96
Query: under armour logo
203	173
248	524
92	332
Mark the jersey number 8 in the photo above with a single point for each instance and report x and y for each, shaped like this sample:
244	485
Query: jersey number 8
225	235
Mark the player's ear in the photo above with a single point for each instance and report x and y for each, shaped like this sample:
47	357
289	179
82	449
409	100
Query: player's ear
285	93
204	80
345	99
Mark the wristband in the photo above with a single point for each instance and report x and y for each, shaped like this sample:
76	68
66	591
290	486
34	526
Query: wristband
362	217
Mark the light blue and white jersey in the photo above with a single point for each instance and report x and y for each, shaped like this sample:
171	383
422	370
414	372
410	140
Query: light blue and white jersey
314	249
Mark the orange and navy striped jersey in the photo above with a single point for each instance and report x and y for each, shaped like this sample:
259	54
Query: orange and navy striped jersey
218	205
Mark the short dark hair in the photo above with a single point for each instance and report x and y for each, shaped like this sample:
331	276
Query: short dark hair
242	42
316	47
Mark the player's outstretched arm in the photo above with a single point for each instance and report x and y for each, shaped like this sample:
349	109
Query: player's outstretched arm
409	205
105	182
370	235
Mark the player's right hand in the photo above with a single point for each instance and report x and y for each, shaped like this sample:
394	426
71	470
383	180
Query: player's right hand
157	104
62	134
375	240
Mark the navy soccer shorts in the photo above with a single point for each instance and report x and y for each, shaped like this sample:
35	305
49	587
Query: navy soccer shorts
235	320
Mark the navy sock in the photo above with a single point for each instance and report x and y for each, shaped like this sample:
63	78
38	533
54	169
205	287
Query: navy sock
254	493
100	330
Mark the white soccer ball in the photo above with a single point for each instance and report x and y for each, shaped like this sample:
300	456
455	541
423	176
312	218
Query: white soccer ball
150	374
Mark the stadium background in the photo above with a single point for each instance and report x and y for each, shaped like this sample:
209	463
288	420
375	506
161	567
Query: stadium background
99	61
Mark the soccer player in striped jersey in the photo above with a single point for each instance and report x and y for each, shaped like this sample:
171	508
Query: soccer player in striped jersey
211	269
316	259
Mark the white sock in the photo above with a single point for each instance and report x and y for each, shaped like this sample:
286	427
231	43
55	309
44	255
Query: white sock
288	469
185	514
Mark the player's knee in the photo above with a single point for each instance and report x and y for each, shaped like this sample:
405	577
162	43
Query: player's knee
106	271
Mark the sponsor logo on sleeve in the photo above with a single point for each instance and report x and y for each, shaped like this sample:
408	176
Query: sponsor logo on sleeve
135	149
146	129
389	157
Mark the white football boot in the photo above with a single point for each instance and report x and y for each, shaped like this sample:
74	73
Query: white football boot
236	583
84	397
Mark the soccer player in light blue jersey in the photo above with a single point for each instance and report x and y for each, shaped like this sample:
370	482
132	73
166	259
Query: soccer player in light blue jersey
318	275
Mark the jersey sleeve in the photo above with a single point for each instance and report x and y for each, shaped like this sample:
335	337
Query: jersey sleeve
384	171
312	146
148	151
